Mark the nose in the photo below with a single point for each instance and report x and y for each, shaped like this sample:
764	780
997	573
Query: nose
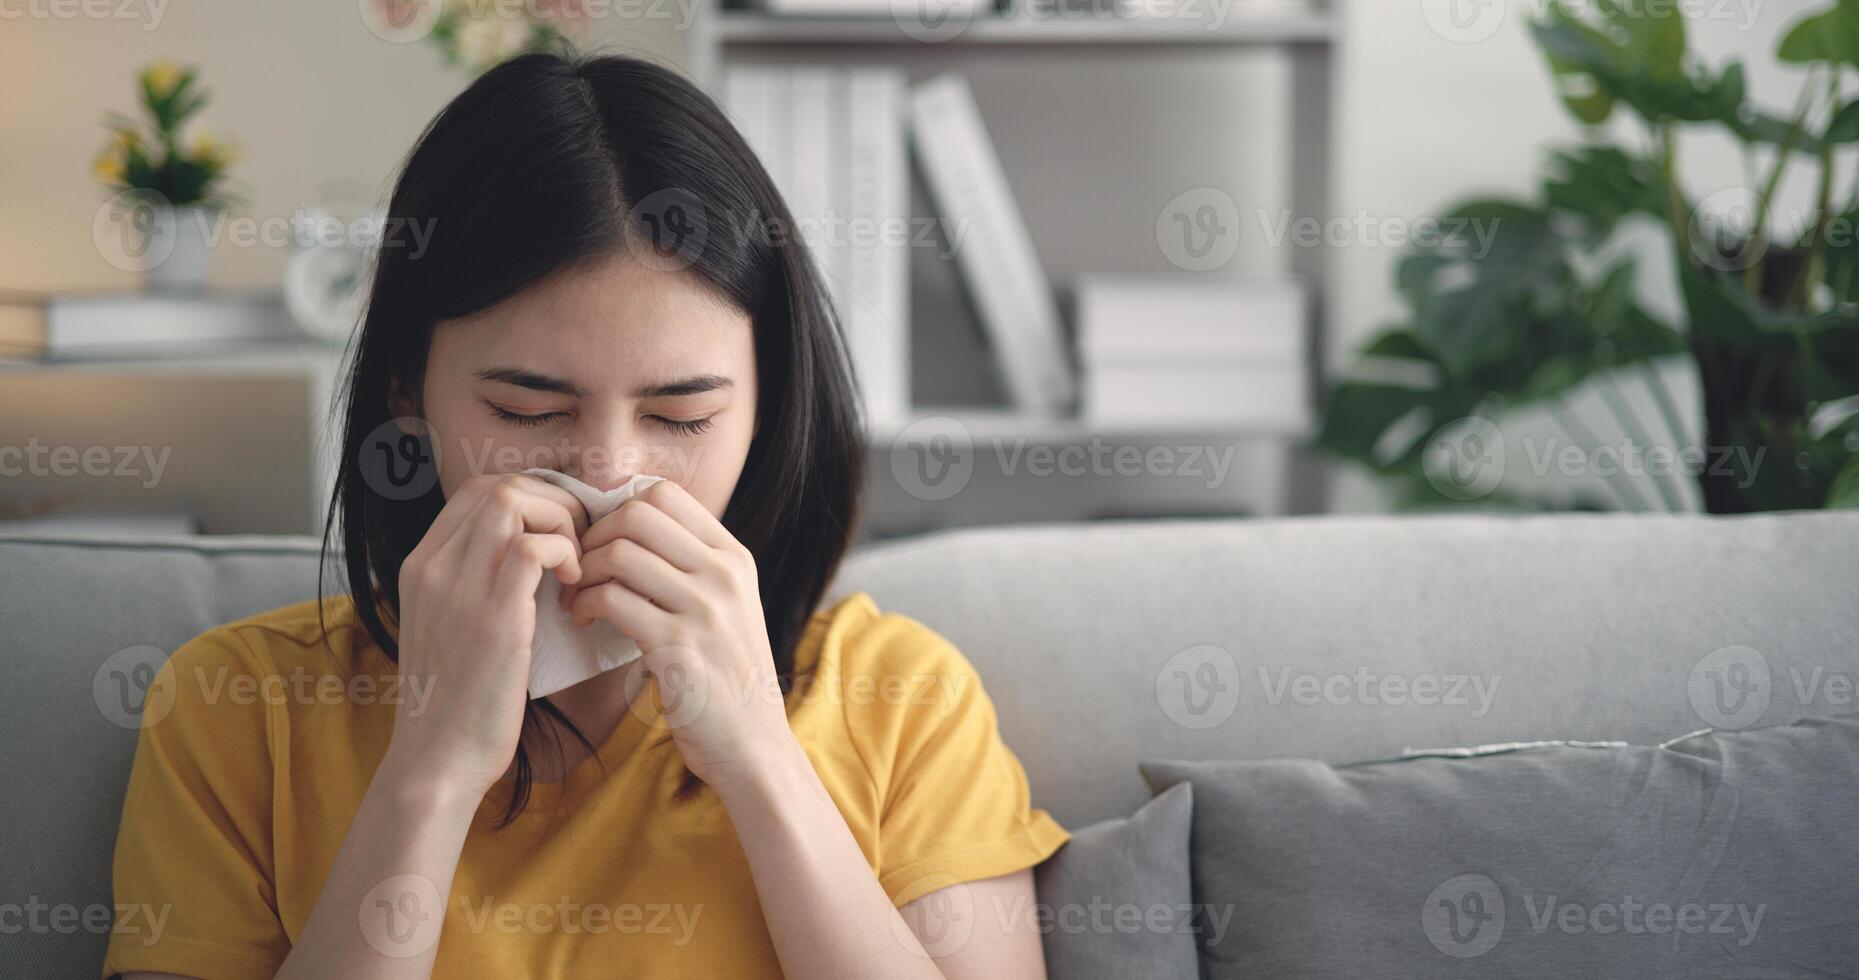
605	456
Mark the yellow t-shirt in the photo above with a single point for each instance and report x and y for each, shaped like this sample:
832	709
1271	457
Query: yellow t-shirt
258	743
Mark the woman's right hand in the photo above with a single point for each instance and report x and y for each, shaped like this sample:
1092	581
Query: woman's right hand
467	623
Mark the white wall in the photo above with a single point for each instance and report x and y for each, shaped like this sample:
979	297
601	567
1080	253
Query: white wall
321	105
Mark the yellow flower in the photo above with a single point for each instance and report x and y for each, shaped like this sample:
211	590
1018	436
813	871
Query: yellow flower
208	150
109	163
161	77
108	167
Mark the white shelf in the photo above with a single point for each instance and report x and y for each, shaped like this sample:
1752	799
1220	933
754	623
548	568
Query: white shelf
319	366
985	425
752	29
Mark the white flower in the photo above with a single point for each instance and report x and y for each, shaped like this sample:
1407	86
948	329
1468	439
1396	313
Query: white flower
485	40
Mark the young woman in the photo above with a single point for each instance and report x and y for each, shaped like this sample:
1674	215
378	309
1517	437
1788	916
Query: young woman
589	272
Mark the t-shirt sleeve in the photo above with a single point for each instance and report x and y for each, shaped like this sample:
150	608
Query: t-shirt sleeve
193	853
955	802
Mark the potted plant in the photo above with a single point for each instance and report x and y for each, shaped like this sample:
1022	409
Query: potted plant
1770	297
168	193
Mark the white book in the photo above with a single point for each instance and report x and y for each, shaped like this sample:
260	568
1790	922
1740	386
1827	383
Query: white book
877	295
836	154
824	8
862	8
1128	321
1256	399
131	324
158	525
809	190
745	101
1005	282
758	101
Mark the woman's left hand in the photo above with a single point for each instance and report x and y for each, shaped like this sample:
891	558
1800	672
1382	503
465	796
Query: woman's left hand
665	572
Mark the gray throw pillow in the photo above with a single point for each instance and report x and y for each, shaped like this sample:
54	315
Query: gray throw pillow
1720	854
1114	901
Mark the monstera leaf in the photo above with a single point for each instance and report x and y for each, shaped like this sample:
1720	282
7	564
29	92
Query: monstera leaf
1831	36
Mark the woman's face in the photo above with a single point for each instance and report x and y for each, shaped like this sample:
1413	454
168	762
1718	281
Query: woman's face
603	372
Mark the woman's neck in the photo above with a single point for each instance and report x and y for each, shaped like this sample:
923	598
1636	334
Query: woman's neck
595	706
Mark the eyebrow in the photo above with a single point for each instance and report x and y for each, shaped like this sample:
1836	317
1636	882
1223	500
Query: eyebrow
694	385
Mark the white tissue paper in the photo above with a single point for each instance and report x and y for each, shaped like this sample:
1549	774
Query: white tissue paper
564	654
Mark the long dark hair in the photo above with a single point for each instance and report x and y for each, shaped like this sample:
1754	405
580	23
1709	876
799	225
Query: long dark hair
539	166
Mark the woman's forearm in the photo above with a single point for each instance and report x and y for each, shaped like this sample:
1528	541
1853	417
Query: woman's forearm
382	906
824	908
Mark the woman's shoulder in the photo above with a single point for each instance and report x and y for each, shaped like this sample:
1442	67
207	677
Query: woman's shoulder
851	637
298	636
883	682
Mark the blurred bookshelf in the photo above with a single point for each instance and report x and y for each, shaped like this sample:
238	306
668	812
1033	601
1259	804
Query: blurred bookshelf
746	28
1105	104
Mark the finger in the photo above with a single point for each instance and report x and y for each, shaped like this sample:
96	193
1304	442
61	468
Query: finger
631	564
516	506
639	520
631	613
673	499
528	556
457	511
487	490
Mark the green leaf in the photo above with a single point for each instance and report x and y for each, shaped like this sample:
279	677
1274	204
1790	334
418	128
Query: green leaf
1721	310
1845	125
1844	494
1755	126
1842	258
1831	35
1415	274
1580	62
1601	185
1829	365
1359	414
1401	345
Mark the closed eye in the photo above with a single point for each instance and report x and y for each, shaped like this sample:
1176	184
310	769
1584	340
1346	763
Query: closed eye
689	427
517	418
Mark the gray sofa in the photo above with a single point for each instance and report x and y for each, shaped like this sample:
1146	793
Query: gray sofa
1102	646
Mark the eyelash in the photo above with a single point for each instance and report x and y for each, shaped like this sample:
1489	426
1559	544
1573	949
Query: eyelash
689	427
